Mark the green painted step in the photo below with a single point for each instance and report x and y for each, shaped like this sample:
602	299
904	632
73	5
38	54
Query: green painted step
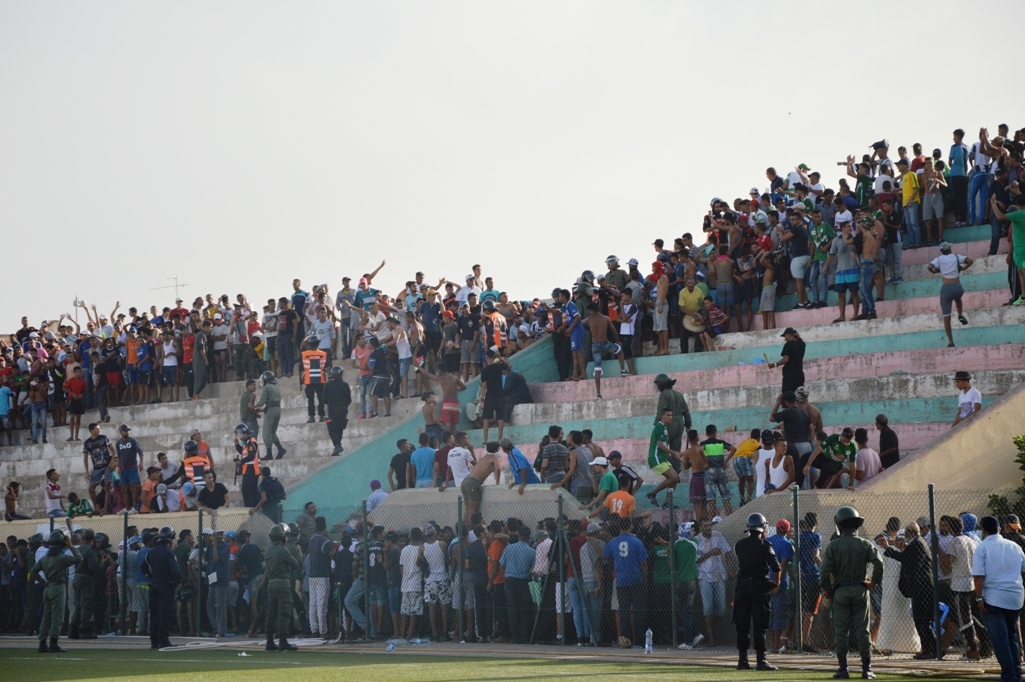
922	288
823	349
961	235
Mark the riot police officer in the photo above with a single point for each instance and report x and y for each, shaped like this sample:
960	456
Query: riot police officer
751	609
843	571
338	398
670	398
270	401
297	624
248	460
279	566
52	571
161	566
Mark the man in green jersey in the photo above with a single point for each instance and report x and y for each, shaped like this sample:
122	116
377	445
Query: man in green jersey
660	455
837	451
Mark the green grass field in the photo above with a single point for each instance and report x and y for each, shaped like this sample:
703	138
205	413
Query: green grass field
223	665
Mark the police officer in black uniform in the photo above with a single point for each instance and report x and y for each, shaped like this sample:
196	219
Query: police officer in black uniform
338	398
751	606
161	566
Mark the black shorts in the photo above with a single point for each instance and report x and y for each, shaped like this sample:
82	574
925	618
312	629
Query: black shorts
507	411
811	595
626	343
828	469
451	362
380	387
745	291
493	409
76	406
433	340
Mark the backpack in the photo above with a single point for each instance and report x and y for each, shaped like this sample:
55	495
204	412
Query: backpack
275	491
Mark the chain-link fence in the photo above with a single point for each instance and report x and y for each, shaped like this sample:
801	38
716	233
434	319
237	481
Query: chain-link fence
547	571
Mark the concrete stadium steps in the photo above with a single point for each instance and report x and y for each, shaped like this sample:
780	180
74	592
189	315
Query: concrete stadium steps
923	340
982	265
838	390
973	249
910	410
883	326
971	301
880	364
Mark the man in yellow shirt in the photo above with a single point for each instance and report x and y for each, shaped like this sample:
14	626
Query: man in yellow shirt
911	195
744	465
691	299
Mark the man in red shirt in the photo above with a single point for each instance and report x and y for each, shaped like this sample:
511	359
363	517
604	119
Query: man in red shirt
74	388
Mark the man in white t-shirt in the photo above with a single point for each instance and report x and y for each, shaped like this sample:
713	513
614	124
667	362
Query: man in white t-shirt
469	288
460	459
763	455
969	400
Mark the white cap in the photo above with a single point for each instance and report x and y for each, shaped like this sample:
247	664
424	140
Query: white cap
600	462
632	261
210	531
754	190
468	277
716	519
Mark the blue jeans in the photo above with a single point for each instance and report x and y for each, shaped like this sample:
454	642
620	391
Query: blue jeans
364	389
868	271
38	413
354	605
978	184
576	598
819	282
286	349
895	257
1002	625
594	605
912	215
686	616
994	235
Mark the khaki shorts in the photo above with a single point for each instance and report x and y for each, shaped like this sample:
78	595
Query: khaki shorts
471	489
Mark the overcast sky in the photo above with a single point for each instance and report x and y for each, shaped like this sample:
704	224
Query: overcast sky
241	144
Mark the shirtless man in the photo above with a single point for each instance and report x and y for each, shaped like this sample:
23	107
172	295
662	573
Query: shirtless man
450	384
932	183
471	485
601	328
869	235
767	303
430	412
694	459
596	450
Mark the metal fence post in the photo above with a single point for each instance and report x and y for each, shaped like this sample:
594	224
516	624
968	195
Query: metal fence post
934	546
124	576
797	572
562	576
369	629
202	578
459	569
671	527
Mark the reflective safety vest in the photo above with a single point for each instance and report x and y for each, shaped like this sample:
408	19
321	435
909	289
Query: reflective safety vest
314	366
195	467
251	449
494	329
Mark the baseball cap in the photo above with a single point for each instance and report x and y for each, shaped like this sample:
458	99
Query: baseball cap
783	526
161	488
123	427
803	166
506	443
753	190
134	539
468	277
230	534
218	316
788	330
593	528
208	531
364	280
188	488
615	454
1011	518
33	335
945	247
177	300
633	262
902	162
600	462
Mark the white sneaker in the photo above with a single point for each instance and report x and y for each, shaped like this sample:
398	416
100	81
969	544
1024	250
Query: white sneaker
685	647
697	640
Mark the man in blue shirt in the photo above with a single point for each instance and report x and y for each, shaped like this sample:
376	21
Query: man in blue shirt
216	564
516	562
811	557
6	395
780	598
997	568
574	330
129	456
630	559
421	464
522	471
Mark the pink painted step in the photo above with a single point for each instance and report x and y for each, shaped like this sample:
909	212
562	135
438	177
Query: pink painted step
971	249
972	300
912	437
933	360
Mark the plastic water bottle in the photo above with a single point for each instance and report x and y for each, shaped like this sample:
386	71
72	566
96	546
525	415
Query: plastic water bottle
647	641
391	647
